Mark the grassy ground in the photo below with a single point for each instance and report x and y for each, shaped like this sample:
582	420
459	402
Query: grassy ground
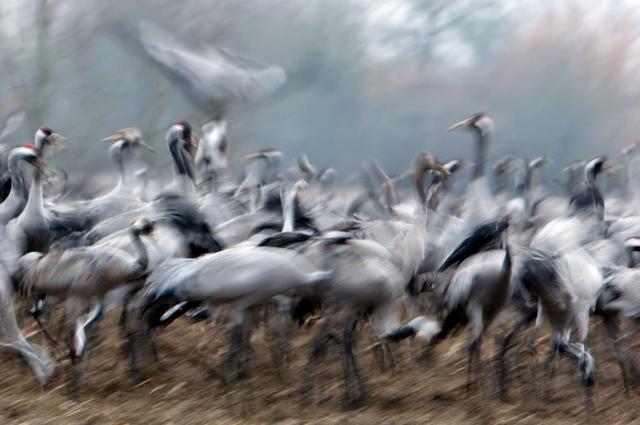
181	390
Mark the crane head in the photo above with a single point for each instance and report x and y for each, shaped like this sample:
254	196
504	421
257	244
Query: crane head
632	243
425	161
183	130
131	136
142	226
481	122
455	165
539	162
505	165
32	155
46	137
596	166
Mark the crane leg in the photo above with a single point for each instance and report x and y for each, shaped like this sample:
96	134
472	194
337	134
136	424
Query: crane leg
235	362
531	348
587	367
233	355
475	349
318	352
622	351
551	362
474	364
281	338
524	320
350	367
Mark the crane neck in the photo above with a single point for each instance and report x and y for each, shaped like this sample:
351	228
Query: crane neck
123	176
590	177
142	262
626	178
18	186
482	147
184	177
501	181
182	160
419	182
289	211
631	263
35	202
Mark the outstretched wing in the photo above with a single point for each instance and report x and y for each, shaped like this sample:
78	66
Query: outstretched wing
212	80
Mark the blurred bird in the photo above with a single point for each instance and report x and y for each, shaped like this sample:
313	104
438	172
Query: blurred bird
212	80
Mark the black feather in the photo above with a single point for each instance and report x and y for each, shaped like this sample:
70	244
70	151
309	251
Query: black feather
454	320
482	238
401	333
5	186
305	307
183	215
268	225
588	201
538	270
284	239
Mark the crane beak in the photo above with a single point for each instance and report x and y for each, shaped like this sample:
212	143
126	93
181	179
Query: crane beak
442	170
57	141
111	138
146	145
466	123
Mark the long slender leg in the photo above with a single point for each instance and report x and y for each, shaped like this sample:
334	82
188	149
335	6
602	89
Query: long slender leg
475	361
531	347
350	365
551	363
92	324
72	311
317	353
280	336
611	325
354	364
235	346
346	362
587	367
524	320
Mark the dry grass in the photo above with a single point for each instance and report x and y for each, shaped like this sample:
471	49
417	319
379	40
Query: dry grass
180	390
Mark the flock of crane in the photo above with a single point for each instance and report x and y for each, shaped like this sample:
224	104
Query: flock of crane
419	256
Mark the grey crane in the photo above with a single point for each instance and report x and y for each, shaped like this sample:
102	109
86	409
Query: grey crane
566	287
17	198
182	143
480	286
123	196
242	278
11	337
619	298
85	274
212	81
366	283
36	227
589	200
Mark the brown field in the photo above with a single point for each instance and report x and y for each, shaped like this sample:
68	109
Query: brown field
181	389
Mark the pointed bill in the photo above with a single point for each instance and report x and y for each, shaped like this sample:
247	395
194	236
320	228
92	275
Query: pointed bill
466	123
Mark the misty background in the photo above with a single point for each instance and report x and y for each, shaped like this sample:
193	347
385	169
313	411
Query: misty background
377	79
